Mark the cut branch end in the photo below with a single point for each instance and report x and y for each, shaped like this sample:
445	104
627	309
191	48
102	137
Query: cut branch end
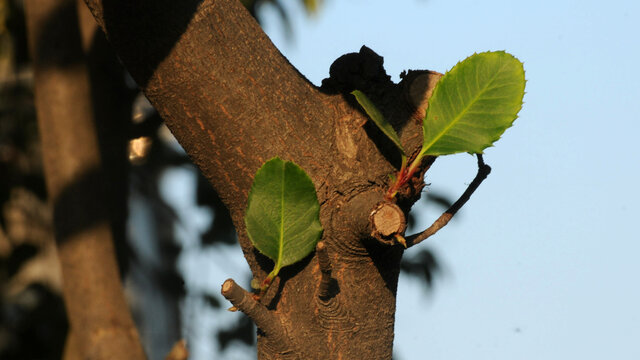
387	221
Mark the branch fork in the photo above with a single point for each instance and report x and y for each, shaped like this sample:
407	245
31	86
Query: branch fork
387	220
267	321
264	319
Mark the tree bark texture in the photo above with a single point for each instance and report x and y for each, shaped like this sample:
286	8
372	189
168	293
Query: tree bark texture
98	314
233	102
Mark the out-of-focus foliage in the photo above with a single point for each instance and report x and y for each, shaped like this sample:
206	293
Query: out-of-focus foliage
33	323
311	7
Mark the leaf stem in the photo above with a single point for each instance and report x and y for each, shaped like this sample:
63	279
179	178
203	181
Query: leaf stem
416	163
405	174
400	180
264	286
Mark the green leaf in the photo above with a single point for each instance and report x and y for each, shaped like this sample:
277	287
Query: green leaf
473	104
377	118
282	214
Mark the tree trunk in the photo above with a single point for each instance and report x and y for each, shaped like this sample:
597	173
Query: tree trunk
233	102
98	314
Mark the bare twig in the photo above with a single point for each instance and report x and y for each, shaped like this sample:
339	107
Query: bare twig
325	270
331	313
483	171
265	320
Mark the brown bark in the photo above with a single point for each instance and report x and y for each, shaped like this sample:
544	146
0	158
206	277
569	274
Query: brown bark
111	101
101	325
233	102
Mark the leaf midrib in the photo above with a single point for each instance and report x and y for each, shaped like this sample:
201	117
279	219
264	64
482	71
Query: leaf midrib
281	240
425	148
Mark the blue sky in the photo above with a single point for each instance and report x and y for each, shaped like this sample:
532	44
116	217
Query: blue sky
542	261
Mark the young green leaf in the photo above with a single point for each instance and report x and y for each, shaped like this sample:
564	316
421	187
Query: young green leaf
282	215
473	104
377	118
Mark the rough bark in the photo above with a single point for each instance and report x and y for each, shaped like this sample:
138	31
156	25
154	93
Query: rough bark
233	102
100	322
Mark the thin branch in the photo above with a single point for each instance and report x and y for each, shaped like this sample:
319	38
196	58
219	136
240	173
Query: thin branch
483	171
325	270
331	313
264	319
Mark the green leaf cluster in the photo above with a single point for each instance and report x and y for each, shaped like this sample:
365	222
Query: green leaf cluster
282	216
471	107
